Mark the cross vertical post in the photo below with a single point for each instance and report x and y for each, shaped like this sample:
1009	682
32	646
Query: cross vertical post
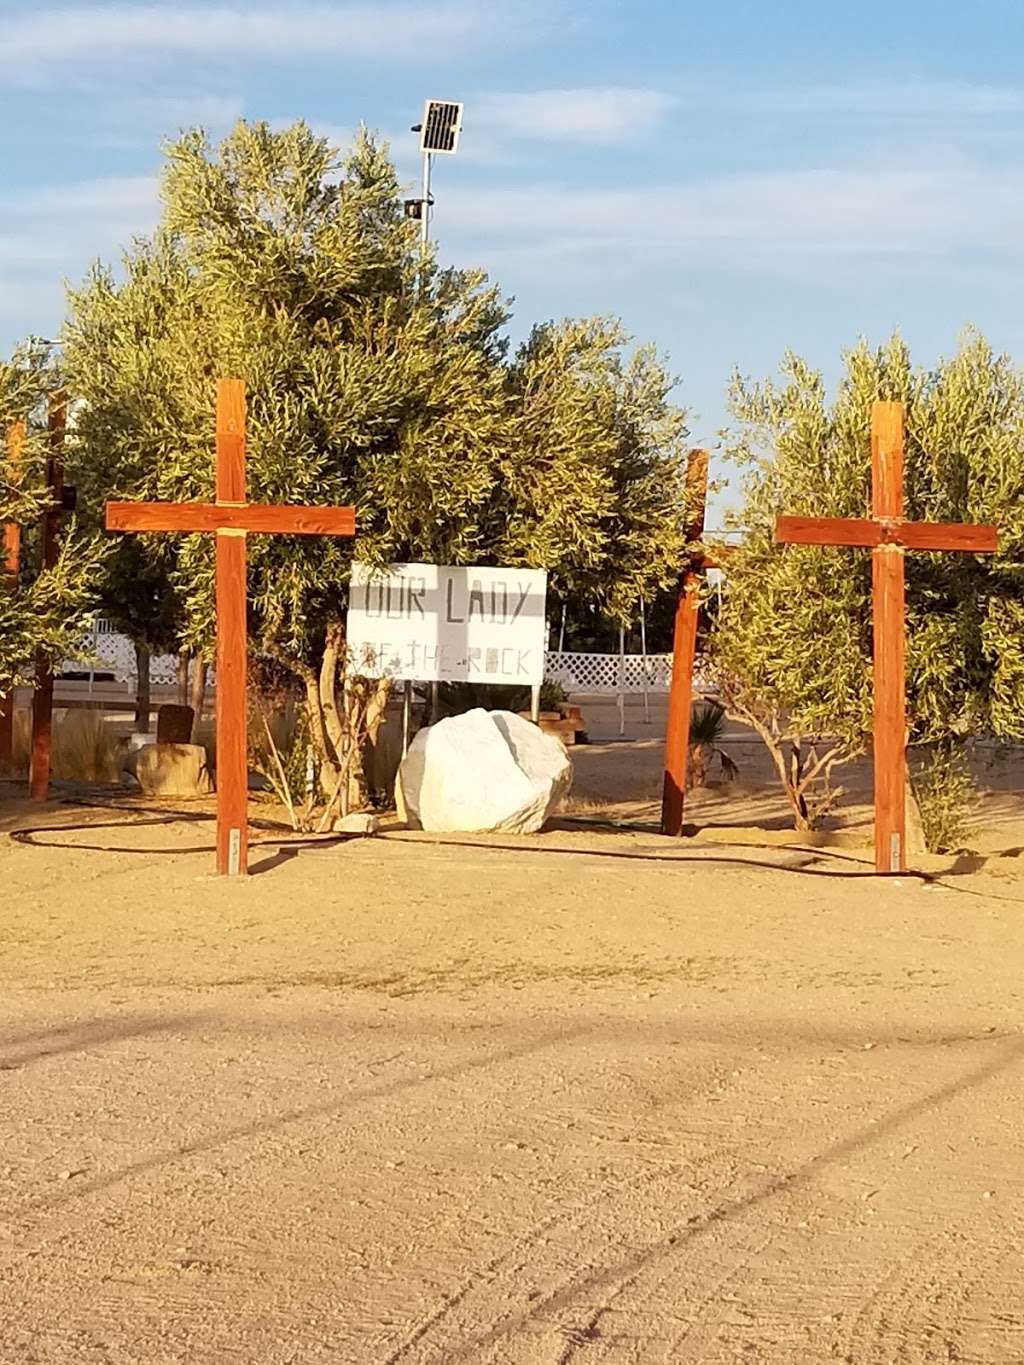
11	569
888	565
232	636
42	693
684	652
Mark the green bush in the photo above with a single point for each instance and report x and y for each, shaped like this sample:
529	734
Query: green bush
946	794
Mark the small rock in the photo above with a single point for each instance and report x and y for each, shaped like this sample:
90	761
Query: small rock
359	822
170	770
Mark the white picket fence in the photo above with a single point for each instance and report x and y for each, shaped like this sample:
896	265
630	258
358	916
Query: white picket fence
105	650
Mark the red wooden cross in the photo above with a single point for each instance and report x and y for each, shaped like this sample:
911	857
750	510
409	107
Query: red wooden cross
889	537
684	650
11	568
231	517
40	761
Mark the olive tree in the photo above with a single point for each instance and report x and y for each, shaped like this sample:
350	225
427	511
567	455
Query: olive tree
791	645
43	613
374	377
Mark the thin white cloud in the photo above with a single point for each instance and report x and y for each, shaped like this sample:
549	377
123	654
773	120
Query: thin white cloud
140	122
116	197
891	99
104	34
837	213
592	114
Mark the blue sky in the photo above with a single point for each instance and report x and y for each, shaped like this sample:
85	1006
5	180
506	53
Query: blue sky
731	179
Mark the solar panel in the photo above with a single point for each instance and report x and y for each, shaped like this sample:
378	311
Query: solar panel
442	124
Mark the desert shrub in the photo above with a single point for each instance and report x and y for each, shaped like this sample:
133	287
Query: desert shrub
707	726
85	749
945	793
279	751
22	745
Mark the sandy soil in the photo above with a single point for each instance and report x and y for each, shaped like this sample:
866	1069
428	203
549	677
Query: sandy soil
597	1097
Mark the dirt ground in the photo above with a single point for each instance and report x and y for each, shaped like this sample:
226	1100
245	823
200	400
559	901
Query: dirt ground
586	1096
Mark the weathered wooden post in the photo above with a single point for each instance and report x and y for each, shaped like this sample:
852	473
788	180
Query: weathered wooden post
684	651
11	569
42	693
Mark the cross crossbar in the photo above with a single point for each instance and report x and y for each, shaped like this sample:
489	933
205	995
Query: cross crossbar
869	532
248	517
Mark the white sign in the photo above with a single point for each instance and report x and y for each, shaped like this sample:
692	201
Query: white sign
433	623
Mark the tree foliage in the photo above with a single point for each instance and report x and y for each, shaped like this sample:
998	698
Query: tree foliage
792	644
42	614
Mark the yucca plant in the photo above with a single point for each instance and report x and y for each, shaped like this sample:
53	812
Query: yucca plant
707	727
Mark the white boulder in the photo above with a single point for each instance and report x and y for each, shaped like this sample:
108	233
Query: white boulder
485	770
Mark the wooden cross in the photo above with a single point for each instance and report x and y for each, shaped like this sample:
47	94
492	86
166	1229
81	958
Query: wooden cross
889	537
11	569
231	518
41	759
62	499
684	651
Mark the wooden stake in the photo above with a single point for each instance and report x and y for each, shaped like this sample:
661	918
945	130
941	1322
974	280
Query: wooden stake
42	694
888	611
890	756
232	639
11	569
684	653
680	705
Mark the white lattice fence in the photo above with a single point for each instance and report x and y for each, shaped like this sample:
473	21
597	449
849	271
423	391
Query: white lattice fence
111	652
601	672
107	651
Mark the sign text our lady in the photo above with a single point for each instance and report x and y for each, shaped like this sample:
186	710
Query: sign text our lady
443	623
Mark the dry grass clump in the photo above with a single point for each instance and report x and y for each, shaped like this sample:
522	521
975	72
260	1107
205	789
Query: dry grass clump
85	748
22	742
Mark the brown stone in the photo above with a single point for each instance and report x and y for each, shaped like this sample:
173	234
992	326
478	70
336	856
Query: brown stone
174	725
171	770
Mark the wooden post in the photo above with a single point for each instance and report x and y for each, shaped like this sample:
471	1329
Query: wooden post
11	569
684	651
42	694
232	639
888	610
680	704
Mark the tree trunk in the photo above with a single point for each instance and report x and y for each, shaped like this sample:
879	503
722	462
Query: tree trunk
198	700
143	705
330	759
182	680
697	771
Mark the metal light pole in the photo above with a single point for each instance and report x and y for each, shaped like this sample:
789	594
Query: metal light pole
439	133
428	166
